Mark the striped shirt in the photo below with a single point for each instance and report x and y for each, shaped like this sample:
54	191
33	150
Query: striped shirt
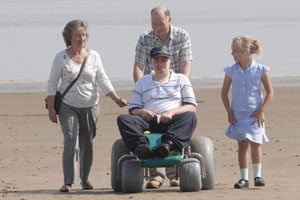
178	43
160	97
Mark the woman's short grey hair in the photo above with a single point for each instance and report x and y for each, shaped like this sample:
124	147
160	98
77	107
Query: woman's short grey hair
67	33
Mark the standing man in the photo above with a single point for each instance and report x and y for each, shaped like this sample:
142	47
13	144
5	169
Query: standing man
163	34
178	42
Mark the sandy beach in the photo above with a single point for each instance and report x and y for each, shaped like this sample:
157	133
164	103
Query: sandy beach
31	150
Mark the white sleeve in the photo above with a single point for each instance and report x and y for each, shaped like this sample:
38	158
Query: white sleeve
101	77
55	75
187	91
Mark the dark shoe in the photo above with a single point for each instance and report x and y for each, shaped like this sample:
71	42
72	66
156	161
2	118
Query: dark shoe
86	186
259	181
242	183
143	151
154	184
164	148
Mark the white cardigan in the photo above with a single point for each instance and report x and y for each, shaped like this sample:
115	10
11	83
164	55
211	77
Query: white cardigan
84	93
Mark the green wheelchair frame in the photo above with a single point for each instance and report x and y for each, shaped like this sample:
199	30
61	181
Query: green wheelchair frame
194	165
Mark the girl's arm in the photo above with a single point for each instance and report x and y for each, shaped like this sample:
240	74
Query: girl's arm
225	99
268	99
269	91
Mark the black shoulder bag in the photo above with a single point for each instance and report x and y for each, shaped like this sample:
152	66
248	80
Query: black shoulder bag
59	97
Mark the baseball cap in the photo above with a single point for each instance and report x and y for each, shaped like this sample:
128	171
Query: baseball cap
157	52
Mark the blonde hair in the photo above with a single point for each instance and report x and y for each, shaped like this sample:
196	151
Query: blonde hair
247	44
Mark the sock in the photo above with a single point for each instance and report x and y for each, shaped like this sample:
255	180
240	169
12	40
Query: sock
244	173
257	170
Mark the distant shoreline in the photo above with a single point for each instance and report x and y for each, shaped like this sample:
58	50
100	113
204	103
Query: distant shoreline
123	84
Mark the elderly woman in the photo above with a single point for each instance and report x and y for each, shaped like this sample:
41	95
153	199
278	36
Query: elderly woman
79	109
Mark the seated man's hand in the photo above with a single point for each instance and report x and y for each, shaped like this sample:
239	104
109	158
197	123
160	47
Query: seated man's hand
147	115
166	116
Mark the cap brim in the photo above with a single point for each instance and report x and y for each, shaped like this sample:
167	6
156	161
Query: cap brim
162	55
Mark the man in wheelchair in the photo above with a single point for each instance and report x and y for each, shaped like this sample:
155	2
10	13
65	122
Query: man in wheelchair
161	102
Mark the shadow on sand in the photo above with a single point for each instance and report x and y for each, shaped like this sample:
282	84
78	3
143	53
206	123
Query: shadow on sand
102	191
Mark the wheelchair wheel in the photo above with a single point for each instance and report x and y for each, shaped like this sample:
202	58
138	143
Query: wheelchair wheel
119	149
190	175
205	147
132	176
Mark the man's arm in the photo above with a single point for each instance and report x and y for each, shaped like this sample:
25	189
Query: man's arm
137	71
147	115
182	109
168	115
185	68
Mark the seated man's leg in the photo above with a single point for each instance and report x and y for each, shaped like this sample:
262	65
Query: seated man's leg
177	134
180	129
131	128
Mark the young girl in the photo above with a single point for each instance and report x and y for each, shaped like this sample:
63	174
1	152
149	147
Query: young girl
246	113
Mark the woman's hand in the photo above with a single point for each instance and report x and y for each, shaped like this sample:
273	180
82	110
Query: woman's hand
259	117
52	115
118	100
121	102
51	110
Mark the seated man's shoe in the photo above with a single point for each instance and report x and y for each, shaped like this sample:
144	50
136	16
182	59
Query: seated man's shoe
242	183
174	182
259	181
143	151
164	148
154	184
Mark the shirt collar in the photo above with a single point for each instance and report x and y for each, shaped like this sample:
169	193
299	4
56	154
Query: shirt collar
253	64
172	77
171	34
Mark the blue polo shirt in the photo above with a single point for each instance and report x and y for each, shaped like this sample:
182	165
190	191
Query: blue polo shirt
160	97
246	86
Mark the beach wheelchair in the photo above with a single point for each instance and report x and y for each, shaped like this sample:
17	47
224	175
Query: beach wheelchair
194	165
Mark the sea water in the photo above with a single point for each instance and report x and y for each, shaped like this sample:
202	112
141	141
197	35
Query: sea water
31	30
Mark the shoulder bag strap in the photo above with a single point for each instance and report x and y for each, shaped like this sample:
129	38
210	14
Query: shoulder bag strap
81	69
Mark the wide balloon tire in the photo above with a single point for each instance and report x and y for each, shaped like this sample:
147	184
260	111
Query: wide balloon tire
190	175
132	176
205	147
119	149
